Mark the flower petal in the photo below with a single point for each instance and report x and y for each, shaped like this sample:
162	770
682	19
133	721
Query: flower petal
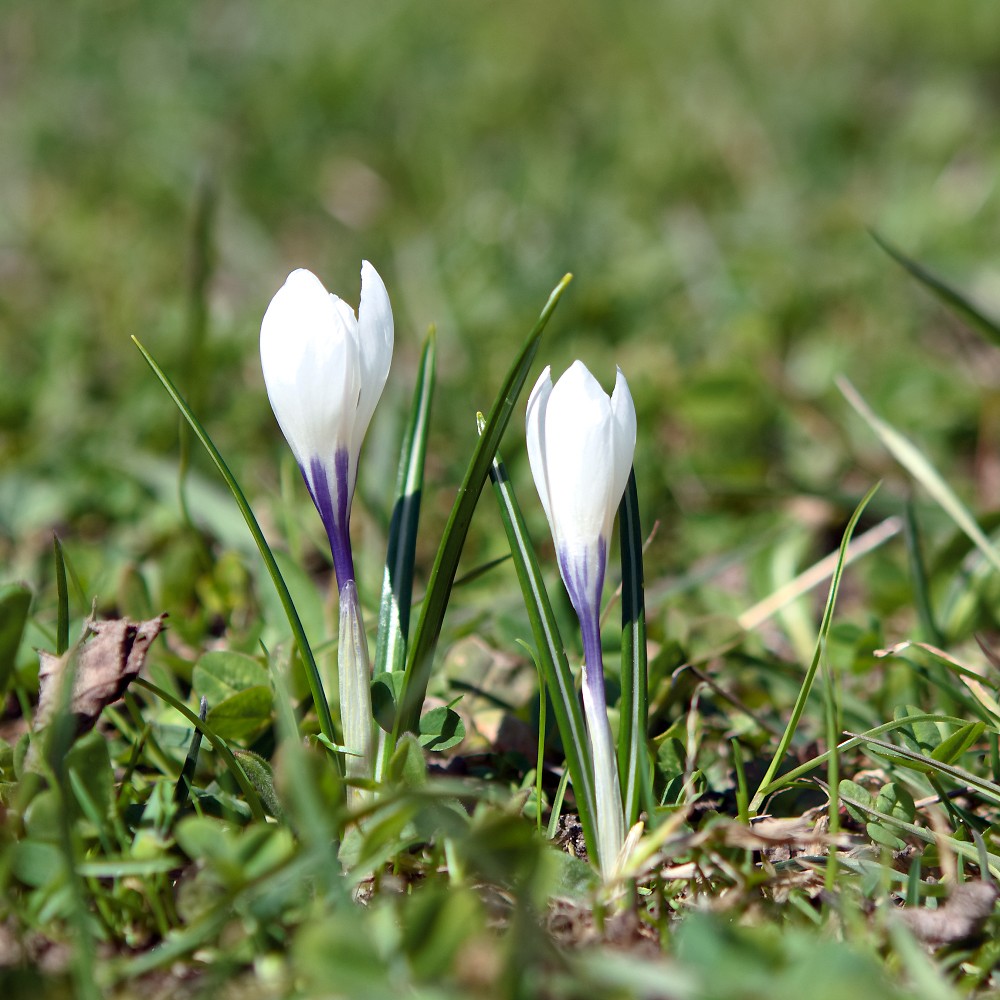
535	438
623	413
308	360
579	457
375	341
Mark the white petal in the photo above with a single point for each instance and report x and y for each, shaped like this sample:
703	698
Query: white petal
623	411
308	359
534	420
375	339
579	453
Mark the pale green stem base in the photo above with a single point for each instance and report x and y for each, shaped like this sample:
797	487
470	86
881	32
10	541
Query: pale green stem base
354	676
610	817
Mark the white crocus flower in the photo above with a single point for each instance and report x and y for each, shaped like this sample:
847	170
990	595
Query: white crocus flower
325	369
580	447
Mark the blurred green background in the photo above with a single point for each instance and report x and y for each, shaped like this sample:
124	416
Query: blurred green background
708	171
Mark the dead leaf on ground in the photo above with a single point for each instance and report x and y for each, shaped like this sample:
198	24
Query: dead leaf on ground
104	663
962	916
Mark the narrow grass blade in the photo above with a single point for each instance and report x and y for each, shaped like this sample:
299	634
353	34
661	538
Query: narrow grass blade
58	740
790	777
989	789
742	789
983	702
916	464
824	629
305	651
552	663
812	577
557	803
633	753
182	790
831	705
418	666
201	261
950	296
249	792
961	847
918	571
62	598
314	819
397	582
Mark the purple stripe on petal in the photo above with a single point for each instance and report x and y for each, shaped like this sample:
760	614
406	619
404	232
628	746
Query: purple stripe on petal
584	592
593	658
585	595
334	510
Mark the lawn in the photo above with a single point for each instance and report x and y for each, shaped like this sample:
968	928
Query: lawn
780	224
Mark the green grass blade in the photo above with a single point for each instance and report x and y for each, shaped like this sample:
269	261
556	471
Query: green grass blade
961	847
831	706
418	666
824	629
62	598
949	295
201	266
57	741
551	655
790	777
312	818
918	572
989	789
397	581
305	650
633	753
913	460
218	744
182	790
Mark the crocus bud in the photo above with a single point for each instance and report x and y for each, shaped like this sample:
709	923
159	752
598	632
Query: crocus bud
324	370
580	447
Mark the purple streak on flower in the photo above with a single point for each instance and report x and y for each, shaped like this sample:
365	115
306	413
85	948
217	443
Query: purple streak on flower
334	510
580	447
585	595
324	369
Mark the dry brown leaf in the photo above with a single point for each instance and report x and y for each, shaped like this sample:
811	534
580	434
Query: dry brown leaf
104	663
961	917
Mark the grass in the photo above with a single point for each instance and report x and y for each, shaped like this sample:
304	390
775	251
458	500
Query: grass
712	177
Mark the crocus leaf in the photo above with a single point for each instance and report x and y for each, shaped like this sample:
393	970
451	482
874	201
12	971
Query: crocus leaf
442	578
551	655
397	581
633	753
301	640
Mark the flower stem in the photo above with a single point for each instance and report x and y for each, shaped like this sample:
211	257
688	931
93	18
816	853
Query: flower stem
610	816
354	674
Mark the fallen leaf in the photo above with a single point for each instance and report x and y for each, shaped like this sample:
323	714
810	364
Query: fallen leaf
961	917
103	664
